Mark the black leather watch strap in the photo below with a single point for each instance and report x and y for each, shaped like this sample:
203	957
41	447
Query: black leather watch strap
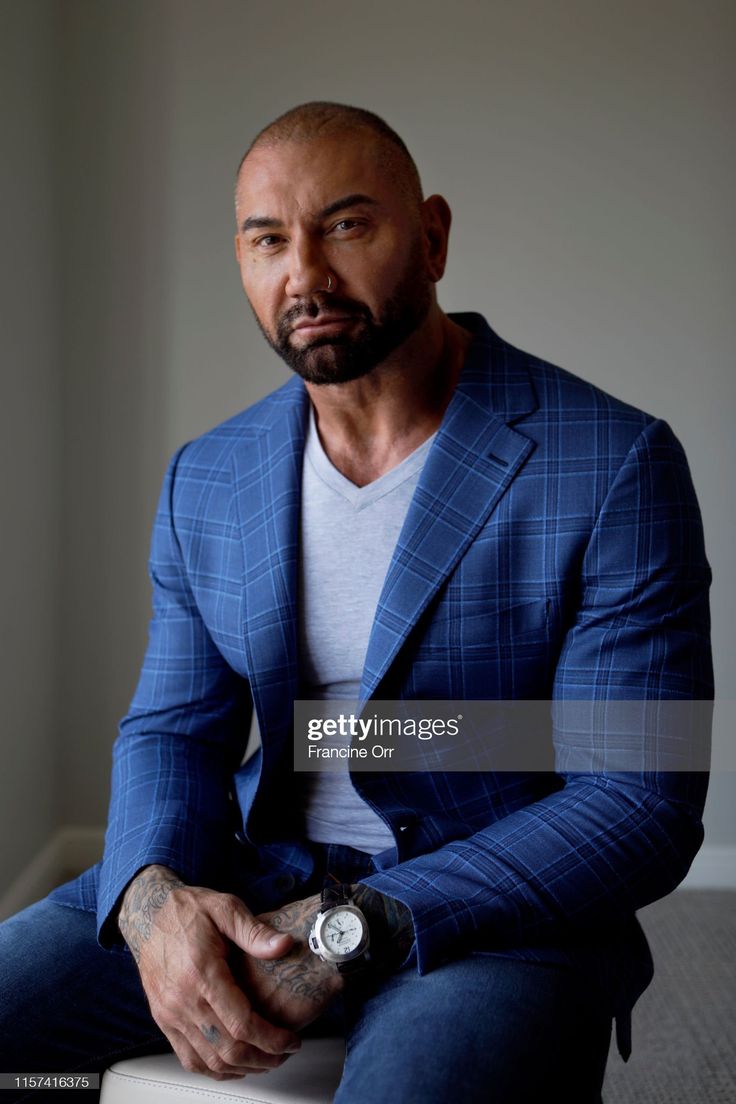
335	894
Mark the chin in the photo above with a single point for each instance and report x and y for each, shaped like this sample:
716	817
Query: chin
328	361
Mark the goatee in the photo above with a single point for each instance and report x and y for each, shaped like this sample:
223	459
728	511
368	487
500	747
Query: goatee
339	358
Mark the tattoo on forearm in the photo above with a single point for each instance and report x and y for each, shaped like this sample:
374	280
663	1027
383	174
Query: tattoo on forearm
301	974
143	898
296	917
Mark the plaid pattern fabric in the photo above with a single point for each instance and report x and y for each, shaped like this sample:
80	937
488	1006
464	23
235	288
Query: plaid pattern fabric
553	549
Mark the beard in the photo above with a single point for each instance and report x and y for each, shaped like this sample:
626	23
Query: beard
343	357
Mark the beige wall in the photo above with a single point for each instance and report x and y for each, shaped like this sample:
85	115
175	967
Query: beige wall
587	152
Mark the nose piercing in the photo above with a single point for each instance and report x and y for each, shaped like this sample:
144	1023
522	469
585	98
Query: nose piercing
329	282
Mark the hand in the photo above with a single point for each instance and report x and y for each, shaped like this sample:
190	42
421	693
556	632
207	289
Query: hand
294	989
180	937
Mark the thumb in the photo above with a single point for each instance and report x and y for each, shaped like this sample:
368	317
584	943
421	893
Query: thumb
254	936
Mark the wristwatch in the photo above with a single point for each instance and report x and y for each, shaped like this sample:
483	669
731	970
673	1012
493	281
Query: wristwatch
340	931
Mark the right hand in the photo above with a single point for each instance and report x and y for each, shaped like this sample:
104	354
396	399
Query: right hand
180	937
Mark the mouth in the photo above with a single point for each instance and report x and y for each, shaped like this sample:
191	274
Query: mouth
324	323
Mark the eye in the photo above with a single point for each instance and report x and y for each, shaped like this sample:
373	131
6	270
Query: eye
267	241
347	224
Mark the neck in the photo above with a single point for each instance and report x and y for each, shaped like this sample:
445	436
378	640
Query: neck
369	425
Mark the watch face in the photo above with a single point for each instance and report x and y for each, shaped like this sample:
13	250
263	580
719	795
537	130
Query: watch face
342	932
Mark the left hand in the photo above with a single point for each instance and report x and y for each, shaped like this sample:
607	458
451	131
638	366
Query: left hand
293	990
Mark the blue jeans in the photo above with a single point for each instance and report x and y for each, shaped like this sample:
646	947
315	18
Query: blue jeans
483	1028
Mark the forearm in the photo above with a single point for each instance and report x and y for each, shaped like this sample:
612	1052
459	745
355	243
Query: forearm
145	895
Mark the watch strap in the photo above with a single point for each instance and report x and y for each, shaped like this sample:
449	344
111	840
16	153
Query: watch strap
335	894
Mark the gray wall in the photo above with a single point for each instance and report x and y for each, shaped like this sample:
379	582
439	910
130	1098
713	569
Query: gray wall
587	152
30	441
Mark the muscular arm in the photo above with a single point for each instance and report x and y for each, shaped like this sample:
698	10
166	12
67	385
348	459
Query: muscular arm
607	843
179	744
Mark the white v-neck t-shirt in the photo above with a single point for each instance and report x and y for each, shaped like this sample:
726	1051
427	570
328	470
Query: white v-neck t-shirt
347	537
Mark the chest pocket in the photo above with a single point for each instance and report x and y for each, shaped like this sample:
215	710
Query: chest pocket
492	624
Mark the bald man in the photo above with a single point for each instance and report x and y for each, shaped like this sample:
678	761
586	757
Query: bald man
421	512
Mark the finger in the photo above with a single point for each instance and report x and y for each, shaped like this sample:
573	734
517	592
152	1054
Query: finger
241	1022
190	1059
209	1036
223	1056
201	1057
253	936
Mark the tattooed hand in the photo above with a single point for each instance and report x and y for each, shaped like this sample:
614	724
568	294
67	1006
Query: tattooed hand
181	937
294	989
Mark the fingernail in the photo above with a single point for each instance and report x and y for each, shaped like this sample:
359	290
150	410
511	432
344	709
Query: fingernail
276	938
294	1048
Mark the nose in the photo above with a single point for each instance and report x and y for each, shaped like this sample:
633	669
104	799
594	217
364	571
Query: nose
308	269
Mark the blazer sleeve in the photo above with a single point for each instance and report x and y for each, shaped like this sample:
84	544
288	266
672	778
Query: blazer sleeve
184	735
604	844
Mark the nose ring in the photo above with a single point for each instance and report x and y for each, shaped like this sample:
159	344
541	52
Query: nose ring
329	282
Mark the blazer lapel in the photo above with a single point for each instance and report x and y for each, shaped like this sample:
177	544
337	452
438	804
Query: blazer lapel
472	462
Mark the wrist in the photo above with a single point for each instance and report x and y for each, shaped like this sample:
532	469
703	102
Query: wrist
339	935
391	926
145	894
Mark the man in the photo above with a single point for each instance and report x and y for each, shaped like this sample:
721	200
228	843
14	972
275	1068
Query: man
422	512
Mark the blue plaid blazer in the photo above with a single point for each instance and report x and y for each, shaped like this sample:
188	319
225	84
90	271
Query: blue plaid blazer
553	549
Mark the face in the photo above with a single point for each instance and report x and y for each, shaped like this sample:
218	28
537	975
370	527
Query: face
331	207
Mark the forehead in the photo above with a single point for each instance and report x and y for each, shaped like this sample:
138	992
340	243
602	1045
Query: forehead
298	178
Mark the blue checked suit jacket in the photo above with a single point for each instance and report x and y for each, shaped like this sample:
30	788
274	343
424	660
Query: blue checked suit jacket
553	549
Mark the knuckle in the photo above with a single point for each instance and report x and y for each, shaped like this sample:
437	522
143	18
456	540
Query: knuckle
223	903
190	980
230	1055
256	931
256	928
169	1009
163	1017
190	1063
237	1054
239	1028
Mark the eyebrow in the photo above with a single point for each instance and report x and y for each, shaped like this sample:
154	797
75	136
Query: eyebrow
355	199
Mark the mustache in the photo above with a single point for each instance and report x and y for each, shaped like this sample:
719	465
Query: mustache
315	306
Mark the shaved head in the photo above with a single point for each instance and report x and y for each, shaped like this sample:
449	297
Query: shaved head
319	119
338	250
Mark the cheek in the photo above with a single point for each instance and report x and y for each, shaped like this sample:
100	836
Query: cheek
261	292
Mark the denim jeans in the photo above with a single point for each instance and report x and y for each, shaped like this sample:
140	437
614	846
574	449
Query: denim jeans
482	1028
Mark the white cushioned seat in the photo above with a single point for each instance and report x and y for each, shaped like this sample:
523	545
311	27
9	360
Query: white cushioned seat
309	1077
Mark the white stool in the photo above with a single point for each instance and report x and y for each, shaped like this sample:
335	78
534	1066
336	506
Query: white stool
309	1077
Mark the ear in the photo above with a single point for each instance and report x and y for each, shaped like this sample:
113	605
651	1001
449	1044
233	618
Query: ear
237	247
436	220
